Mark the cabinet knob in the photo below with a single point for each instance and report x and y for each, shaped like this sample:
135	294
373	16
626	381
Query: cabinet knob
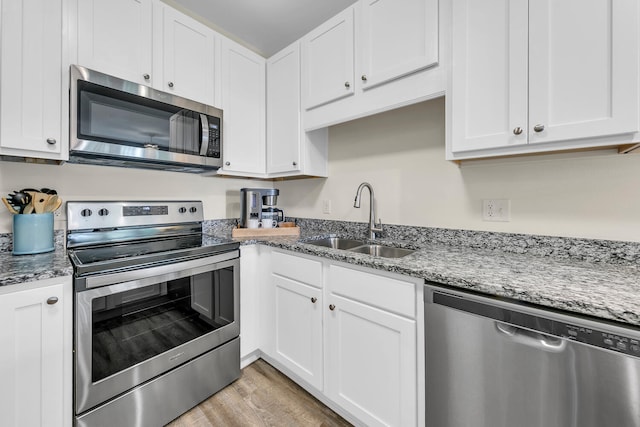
347	85
314	299
52	300
146	76
170	84
517	131
332	307
538	128
364	78
51	141
295	163
227	163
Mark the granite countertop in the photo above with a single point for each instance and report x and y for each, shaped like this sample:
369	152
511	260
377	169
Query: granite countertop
17	269
602	280
603	290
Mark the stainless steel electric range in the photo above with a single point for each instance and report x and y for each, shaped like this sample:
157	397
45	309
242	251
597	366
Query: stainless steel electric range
156	311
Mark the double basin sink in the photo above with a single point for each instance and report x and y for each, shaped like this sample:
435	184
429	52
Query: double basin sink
361	247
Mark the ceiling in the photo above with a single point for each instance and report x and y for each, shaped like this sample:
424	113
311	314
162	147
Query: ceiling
265	26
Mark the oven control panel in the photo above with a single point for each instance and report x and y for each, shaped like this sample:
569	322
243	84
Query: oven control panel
110	214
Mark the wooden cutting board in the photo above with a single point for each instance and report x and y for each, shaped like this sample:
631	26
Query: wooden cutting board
265	232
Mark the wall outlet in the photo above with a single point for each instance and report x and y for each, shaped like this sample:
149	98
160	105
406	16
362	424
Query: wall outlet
496	210
326	206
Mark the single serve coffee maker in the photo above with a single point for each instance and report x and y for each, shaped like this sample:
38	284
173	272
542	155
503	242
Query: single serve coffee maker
259	204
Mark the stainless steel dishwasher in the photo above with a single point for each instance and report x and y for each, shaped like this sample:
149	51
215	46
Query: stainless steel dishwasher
492	363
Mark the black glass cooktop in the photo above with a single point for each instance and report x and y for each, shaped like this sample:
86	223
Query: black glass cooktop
105	258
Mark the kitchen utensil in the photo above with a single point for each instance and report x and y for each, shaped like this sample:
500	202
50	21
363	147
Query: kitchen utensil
39	201
27	209
20	199
51	203
48	191
58	204
9	207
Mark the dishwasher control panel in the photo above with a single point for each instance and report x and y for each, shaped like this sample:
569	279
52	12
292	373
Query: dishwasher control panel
619	343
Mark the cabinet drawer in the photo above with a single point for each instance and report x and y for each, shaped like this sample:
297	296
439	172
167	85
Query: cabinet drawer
297	268
394	295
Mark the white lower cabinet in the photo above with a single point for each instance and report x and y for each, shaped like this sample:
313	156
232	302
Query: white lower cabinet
35	362
298	328
350	334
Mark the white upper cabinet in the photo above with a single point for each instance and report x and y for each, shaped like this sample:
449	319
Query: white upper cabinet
541	76
328	60
583	69
397	38
376	55
32	72
185	61
283	110
244	103
290	150
489	73
114	37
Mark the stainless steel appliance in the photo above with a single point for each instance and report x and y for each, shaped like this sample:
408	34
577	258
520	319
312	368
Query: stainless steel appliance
259	203
156	311
494	363
115	122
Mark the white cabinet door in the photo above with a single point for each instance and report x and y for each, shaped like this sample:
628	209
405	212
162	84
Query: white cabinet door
244	103
398	37
283	110
31	75
328	61
298	329
187	51
32	358
371	367
114	37
489	74
583	69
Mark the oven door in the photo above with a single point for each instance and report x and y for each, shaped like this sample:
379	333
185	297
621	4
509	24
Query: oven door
129	332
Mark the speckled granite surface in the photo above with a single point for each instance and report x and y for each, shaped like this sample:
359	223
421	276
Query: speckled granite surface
590	277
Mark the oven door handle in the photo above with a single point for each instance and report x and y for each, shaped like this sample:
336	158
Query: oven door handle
168	271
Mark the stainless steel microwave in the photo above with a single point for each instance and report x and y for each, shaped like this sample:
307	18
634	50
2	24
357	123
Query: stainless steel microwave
115	122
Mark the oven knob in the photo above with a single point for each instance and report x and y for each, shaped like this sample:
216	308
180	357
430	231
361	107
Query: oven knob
103	212
86	212
193	209
182	210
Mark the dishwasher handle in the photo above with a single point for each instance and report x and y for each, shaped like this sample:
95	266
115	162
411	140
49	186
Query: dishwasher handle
530	338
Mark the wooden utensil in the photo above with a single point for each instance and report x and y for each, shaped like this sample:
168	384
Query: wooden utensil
52	203
9	207
39	201
58	204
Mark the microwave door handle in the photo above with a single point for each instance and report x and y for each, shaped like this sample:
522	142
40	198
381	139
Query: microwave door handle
204	142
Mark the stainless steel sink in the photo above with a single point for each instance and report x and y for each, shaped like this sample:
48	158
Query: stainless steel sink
336	243
359	246
382	251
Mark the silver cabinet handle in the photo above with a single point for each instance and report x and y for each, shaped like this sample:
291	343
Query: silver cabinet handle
52	300
347	85
51	141
314	299
146	76
170	84
295	163
538	128
332	307
364	78
227	163
517	131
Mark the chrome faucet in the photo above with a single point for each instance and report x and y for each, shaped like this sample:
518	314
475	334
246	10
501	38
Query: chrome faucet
372	215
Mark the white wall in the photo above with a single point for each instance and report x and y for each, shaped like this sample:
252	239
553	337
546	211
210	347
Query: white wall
401	153
221	196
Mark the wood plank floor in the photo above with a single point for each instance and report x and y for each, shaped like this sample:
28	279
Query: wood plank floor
261	397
